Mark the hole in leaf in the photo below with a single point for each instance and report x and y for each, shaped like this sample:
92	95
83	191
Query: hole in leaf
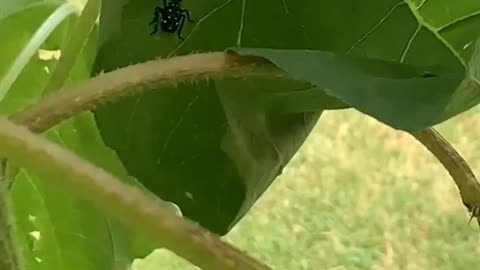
428	74
47	55
35	235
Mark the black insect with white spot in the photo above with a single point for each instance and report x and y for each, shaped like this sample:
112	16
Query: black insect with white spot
171	17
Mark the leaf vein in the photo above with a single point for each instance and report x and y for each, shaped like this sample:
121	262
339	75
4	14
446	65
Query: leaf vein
47	214
213	11
409	43
242	21
131	118
459	20
285	6
375	27
174	129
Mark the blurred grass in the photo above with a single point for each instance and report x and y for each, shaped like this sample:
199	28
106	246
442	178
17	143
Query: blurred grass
359	195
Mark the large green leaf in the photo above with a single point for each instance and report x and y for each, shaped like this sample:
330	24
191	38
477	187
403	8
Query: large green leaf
55	229
214	147
438	81
179	141
382	89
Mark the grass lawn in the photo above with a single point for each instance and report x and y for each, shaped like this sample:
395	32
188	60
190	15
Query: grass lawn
359	195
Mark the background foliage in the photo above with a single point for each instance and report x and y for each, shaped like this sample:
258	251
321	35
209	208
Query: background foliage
214	147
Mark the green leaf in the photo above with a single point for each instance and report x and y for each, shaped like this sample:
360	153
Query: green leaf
74	234
82	29
56	230
436	83
9	8
214	147
381	89
173	140
71	234
20	56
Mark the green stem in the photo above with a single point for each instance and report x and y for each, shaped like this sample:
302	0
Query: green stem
72	50
75	45
9	254
126	203
32	46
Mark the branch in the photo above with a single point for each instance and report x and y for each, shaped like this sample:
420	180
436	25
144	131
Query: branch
135	79
456	166
151	75
128	204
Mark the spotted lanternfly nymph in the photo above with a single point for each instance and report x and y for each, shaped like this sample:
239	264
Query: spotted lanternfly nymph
170	17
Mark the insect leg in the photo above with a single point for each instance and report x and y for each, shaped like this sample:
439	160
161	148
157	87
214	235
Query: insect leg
179	32
156	18
155	29
158	12
188	15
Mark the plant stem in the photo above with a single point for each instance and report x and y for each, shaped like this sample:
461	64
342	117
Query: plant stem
9	254
42	33
74	46
456	166
135	79
151	75
126	203
451	160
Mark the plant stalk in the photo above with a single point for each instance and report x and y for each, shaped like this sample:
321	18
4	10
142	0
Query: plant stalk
132	80
128	204
138	78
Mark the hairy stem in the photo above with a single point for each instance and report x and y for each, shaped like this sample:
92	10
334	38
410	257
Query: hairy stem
456	166
126	203
139	78
135	79
132	80
9	253
452	161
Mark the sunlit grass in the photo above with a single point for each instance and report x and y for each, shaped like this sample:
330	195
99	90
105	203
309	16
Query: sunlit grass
360	195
